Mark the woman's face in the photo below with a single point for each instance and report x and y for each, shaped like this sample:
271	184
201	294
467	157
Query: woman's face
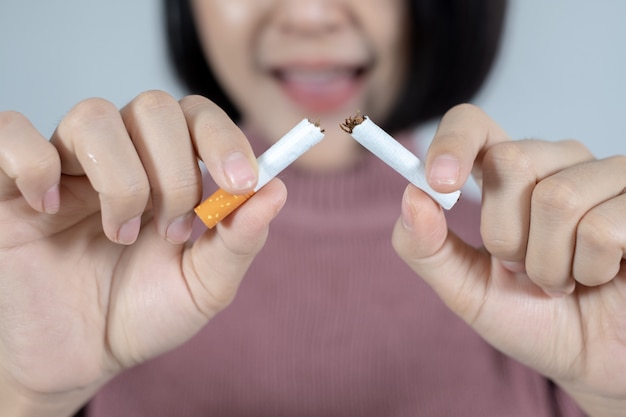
284	60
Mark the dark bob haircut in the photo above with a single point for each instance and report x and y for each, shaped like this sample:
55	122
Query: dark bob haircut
453	44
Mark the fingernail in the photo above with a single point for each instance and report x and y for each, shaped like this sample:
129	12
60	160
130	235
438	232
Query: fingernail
238	171
179	229
129	231
51	200
445	170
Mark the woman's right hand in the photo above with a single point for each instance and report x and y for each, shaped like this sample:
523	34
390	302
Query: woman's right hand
96	272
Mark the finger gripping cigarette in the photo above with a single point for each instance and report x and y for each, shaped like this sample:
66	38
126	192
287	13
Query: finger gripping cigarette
390	151
278	157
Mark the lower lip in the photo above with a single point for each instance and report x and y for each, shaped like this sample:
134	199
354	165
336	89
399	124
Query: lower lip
323	97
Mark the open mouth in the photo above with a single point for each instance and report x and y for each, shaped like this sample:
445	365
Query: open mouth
320	88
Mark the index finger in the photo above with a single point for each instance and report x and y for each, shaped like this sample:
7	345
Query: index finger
29	163
463	135
221	144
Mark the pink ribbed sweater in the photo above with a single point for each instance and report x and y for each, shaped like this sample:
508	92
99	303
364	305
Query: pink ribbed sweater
330	322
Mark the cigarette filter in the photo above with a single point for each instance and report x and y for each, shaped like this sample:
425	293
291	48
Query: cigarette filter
390	151
280	155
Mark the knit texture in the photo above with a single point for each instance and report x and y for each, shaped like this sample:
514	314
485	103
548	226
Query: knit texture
330	322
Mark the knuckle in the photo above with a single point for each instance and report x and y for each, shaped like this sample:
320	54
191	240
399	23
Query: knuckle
578	146
93	108
136	189
466	112
86	112
465	108
205	114
193	100
557	196
503	247
127	187
210	298
183	190
506	158
541	275
153	100
597	231
26	153
217	298
44	163
11	118
618	160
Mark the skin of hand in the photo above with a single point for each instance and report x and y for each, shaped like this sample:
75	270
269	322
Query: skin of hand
549	286
86	293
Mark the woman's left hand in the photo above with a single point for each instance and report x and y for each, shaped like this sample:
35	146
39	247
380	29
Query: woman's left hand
549	286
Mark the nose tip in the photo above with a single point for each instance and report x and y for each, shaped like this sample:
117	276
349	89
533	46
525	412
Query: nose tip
310	16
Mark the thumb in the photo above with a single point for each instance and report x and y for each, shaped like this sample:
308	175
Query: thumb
218	260
456	271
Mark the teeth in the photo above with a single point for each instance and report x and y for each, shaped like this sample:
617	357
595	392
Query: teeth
315	77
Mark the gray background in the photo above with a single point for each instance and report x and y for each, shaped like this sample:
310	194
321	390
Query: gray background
559	75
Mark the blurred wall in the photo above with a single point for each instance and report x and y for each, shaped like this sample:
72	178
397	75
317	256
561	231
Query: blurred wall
56	53
560	73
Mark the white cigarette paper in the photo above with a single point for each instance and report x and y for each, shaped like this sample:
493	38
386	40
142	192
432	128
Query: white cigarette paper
289	148
296	142
390	151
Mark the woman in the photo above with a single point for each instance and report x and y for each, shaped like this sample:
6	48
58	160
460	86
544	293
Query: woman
329	320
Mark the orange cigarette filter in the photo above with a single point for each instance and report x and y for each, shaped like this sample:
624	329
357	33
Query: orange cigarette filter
219	205
296	142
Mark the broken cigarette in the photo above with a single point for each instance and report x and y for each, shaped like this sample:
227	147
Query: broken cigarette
390	151
280	155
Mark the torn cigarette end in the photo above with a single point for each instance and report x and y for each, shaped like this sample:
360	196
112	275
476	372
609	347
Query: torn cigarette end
394	154
280	155
351	122
219	205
